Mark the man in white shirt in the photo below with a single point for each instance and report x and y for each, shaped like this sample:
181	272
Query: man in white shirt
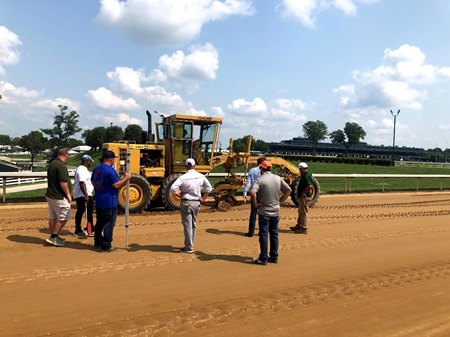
188	187
82	192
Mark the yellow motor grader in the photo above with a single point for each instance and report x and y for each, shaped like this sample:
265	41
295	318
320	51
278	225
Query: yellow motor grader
155	164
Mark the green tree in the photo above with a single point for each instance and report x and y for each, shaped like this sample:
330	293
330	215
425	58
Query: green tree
351	135
113	133
133	132
34	143
65	125
5	140
240	144
315	132
95	137
354	133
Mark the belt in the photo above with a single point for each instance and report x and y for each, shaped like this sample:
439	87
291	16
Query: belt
190	200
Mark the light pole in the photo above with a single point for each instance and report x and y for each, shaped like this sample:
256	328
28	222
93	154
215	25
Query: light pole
393	140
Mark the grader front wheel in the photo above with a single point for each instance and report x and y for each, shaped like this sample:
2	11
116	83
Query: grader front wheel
140	195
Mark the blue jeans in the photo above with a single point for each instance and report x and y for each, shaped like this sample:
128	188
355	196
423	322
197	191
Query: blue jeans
106	220
268	225
252	219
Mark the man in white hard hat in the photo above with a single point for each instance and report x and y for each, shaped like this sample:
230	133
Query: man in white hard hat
189	188
304	188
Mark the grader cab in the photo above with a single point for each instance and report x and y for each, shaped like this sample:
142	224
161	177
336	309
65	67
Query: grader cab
155	164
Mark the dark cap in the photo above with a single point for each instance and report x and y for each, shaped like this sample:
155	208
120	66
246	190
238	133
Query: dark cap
108	155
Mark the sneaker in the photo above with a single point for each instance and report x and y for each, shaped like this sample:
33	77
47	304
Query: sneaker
80	235
294	228
91	235
63	240
250	235
56	241
256	260
301	231
186	250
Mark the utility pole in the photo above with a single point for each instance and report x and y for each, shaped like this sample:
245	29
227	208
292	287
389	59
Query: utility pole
393	140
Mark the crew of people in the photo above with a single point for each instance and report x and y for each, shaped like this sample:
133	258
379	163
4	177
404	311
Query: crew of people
267	191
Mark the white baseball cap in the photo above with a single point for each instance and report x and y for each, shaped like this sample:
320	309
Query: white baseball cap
302	165
189	161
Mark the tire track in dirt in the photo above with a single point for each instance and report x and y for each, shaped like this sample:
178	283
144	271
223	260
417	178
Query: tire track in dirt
242	252
186	321
406	214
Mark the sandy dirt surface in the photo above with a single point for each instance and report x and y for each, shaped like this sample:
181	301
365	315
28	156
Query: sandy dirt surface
371	265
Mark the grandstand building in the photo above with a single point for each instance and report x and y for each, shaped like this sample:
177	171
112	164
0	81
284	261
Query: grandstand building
304	146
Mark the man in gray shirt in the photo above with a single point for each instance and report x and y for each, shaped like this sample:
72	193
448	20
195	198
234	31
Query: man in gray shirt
267	192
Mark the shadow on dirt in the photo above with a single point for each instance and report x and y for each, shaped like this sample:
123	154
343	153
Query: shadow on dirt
134	247
220	232
39	241
202	256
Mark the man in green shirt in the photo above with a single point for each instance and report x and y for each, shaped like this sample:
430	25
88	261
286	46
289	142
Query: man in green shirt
305	184
58	197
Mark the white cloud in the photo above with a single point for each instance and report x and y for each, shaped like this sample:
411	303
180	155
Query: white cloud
274	121
167	22
444	127
126	79
400	82
10	93
8	48
104	98
291	110
306	11
201	64
241	106
120	118
53	104
178	69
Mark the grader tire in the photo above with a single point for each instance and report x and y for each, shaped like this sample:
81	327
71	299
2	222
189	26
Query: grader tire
140	195
171	201
315	192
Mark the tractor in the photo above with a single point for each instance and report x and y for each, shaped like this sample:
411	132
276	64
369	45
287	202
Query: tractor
155	164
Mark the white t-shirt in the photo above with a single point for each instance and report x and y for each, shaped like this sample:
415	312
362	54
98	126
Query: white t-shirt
82	174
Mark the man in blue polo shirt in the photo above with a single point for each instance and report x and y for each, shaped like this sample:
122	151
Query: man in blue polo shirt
253	174
106	184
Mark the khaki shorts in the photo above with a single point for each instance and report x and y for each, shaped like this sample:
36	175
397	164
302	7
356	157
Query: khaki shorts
59	209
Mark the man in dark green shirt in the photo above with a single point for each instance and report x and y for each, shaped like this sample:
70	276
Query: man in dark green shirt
58	197
305	184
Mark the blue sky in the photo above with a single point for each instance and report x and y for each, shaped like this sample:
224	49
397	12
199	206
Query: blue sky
265	66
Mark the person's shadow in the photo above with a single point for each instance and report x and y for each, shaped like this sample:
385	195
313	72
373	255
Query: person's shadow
134	247
202	256
220	232
39	241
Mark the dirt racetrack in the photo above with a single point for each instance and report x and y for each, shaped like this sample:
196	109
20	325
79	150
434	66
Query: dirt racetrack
372	265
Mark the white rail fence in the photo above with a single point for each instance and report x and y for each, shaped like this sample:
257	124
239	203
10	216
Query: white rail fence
41	176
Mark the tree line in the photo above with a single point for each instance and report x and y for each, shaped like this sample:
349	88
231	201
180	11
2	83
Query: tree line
65	126
60	135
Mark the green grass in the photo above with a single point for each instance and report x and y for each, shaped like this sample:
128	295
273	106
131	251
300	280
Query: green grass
26	196
338	185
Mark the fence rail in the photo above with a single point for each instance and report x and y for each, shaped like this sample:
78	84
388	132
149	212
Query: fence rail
348	178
